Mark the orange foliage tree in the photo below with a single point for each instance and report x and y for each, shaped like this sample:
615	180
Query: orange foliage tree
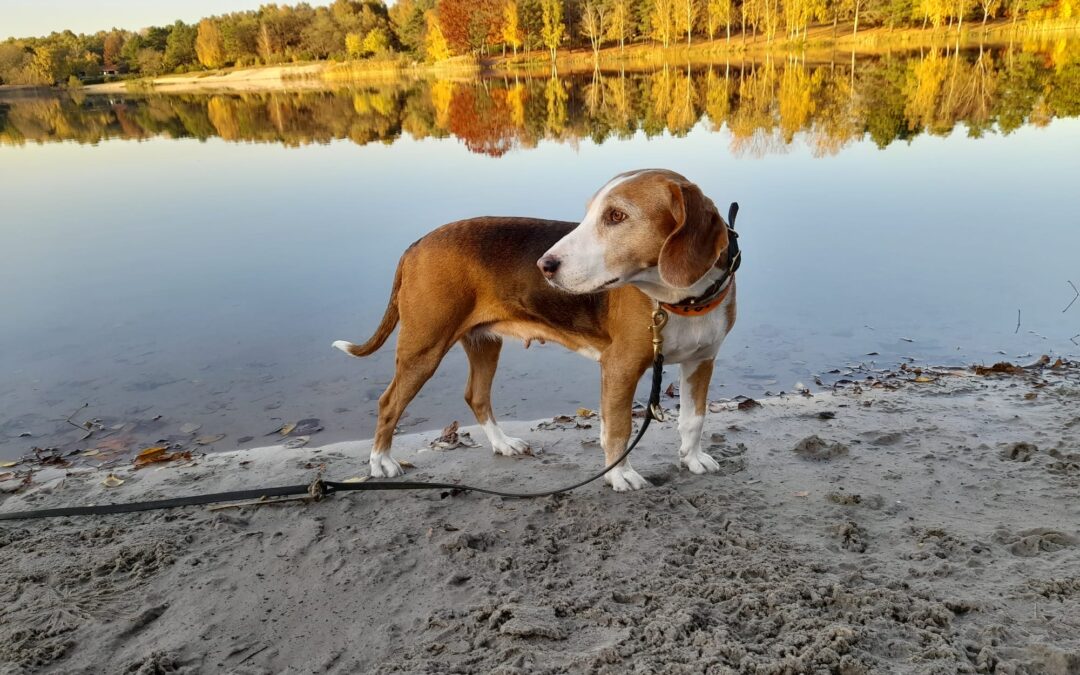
471	25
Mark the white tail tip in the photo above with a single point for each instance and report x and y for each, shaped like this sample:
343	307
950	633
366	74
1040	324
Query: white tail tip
342	345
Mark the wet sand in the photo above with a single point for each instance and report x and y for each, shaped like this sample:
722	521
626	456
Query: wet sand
930	527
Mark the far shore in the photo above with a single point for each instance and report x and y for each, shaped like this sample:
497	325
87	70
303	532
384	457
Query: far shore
821	44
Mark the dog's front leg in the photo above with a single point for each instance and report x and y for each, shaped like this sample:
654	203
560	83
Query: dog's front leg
693	403
618	380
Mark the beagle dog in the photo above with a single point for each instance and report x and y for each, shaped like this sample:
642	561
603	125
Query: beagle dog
648	237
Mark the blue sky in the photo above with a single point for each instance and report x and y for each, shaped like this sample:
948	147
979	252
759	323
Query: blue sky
25	18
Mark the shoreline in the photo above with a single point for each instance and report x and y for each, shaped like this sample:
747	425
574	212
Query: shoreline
930	528
821	44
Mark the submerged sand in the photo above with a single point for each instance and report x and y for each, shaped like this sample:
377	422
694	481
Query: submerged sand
933	527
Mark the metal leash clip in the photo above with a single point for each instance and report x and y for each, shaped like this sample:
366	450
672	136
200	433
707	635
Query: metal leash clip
659	320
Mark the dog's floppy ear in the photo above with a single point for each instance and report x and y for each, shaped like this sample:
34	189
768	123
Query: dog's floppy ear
697	241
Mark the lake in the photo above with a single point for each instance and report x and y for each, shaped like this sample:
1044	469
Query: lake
188	258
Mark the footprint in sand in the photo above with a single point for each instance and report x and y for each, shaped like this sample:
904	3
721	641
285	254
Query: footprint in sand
1019	452
1030	543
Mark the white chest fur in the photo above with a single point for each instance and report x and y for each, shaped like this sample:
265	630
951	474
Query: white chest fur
694	338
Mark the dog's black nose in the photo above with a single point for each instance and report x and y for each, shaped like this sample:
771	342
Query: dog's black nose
548	265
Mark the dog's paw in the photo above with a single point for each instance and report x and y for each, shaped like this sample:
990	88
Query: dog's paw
624	478
510	446
699	462
384	466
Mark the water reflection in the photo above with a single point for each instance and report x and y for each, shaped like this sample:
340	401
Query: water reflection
766	106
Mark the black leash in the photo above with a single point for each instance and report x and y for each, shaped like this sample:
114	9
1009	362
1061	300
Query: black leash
320	488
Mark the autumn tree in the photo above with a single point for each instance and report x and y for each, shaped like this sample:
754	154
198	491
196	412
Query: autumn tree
511	30
209	44
593	24
719	12
111	47
686	16
470	25
553	30
989	8
663	20
436	47
377	41
620	25
354	45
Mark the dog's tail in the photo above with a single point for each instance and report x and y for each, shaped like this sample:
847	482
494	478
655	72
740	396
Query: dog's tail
386	326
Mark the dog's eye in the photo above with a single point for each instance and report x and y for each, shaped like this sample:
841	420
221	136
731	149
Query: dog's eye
616	216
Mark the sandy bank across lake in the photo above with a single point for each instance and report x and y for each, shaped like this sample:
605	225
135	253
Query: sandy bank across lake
935	528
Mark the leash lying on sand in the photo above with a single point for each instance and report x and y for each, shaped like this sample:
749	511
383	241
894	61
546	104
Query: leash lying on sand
320	488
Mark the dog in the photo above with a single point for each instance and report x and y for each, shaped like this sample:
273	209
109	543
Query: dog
648	237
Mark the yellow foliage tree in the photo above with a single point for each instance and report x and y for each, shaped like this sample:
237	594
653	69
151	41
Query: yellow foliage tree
662	18
210	45
354	45
511	30
553	29
436	48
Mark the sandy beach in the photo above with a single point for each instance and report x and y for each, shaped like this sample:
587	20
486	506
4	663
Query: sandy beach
906	523
239	80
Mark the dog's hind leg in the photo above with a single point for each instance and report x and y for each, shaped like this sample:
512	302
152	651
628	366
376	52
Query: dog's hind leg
483	352
414	366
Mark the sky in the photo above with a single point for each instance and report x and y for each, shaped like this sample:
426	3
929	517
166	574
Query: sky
31	18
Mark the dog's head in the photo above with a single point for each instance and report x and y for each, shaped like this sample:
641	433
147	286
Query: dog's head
651	219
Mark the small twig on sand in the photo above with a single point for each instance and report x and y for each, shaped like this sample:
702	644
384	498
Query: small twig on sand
1073	301
1073	339
68	419
1017	321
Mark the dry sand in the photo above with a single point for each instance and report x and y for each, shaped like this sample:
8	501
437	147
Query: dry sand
934	528
245	79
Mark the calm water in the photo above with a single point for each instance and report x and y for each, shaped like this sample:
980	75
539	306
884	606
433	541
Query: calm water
193	256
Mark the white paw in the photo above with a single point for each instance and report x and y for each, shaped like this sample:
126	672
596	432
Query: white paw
624	479
509	446
699	462
384	466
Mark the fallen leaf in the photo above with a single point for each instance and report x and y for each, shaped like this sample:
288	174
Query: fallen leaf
406	464
189	428
585	412
8	465
207	440
154	451
451	438
112	481
748	404
287	429
356	479
923	378
1030	396
157	454
671	391
306	427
